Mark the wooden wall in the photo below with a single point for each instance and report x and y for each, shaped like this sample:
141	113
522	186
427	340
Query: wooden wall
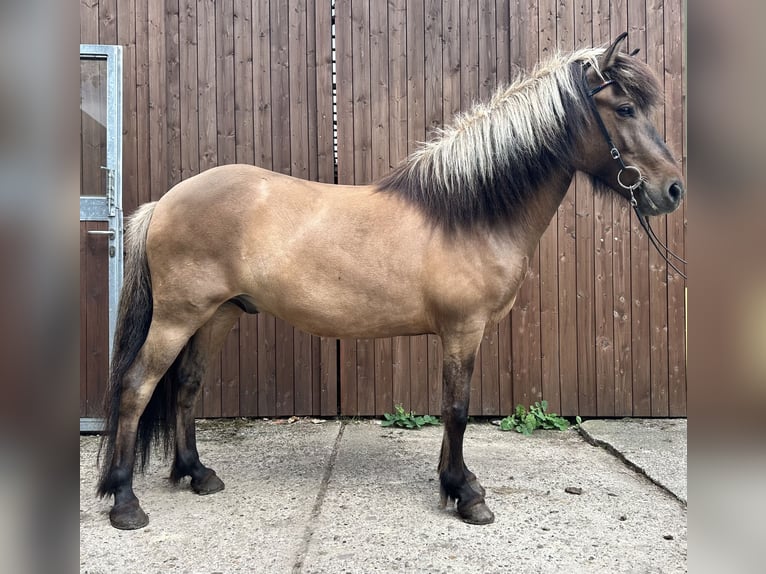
598	328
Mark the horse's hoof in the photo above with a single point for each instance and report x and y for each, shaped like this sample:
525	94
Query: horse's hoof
128	516
207	485
477	513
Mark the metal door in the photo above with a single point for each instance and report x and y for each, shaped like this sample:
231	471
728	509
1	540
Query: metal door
101	230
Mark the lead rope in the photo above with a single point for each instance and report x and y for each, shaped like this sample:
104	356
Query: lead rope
615	153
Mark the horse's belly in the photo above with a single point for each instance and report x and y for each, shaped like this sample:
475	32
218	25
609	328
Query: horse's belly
350	317
344	309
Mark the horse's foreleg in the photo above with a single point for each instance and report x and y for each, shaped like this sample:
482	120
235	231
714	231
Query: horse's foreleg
202	347
457	482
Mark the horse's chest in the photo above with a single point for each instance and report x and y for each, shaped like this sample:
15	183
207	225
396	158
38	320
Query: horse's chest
510	283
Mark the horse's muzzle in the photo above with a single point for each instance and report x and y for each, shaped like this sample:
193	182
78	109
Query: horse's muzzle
660	201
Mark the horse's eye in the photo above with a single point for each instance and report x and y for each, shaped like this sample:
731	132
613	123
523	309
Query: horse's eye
626	111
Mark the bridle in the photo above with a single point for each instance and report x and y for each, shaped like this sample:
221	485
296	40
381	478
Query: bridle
661	248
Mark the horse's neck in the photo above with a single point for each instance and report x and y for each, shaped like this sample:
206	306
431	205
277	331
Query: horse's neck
537	213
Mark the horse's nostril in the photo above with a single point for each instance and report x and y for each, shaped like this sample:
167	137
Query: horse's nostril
676	191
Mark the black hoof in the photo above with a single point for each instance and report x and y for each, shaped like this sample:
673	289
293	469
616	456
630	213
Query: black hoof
476	513
209	484
128	516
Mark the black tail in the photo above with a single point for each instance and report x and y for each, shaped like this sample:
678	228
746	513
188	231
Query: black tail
157	423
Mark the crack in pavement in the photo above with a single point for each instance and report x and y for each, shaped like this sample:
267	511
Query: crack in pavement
318	502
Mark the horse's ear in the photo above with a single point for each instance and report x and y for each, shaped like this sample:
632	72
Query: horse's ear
609	56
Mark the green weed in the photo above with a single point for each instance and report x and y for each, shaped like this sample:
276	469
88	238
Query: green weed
526	421
408	420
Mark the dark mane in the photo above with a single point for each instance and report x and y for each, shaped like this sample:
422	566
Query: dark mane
485	166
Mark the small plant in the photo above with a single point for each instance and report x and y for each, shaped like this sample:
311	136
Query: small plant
408	420
526	421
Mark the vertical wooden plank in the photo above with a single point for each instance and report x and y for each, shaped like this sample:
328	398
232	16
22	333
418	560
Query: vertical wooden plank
143	114
126	36
280	86
658	274
397	109
158	66
584	253
262	84
267	366
189	128
586	353
83	319
639	262
432	59
172	83
89	21
312	105
285	365
97	318
329	377
675	33
451	59
603	300
360	16
324	92
243	82
607	25
298	91
503	41
107	25
207	146
248	366
416	132
230	380
224	69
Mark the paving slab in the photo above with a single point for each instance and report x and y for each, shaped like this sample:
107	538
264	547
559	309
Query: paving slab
256	524
381	512
655	447
357	497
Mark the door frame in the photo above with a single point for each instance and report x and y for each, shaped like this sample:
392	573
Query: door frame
108	207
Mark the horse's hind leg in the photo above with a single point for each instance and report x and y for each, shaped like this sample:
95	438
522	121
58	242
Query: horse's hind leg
457	482
163	343
202	347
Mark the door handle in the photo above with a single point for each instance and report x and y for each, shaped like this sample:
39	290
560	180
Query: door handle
109	232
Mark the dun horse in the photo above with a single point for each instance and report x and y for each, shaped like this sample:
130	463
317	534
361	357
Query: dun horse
439	246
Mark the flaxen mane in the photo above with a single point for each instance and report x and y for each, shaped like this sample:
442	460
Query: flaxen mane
483	167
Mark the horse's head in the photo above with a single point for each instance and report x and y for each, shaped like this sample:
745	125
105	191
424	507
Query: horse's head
626	152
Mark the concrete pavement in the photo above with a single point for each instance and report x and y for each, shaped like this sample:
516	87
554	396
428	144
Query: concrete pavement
356	497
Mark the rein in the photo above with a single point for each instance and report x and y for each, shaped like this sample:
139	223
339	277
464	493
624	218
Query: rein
661	248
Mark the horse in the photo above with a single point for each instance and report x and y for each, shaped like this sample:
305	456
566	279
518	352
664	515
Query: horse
438	246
